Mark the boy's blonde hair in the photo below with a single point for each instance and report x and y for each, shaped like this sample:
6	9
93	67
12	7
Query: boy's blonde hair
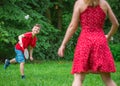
38	25
92	2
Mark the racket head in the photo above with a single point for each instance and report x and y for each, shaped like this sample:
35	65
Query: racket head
26	53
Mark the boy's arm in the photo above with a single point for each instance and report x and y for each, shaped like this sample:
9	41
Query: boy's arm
31	52
20	39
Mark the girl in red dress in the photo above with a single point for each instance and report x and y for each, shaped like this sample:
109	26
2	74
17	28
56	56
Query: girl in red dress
92	53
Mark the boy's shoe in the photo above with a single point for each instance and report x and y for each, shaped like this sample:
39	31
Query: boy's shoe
7	63
23	76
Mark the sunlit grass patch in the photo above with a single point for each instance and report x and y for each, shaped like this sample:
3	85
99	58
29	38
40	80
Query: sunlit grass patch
50	73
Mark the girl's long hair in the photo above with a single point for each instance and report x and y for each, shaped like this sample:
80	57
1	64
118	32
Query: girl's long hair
92	2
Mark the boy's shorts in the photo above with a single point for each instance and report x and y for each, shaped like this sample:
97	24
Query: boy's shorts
19	56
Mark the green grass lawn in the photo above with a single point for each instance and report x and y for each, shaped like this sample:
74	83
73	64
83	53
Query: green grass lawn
51	73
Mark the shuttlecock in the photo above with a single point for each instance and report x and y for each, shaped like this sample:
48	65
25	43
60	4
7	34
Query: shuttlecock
27	17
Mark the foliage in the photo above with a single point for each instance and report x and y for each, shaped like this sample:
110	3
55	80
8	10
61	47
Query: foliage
115	49
47	43
71	45
13	23
115	5
66	20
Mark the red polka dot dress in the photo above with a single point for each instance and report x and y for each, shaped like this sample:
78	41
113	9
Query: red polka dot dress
92	53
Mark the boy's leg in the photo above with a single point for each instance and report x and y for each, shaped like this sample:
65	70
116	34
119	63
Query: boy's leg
22	69
106	77
20	59
13	60
8	62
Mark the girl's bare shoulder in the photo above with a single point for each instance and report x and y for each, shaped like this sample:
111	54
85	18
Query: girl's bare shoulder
104	3
79	2
81	5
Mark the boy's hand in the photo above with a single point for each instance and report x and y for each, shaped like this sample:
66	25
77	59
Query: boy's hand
31	58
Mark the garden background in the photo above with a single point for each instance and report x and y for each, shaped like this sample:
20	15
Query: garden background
54	17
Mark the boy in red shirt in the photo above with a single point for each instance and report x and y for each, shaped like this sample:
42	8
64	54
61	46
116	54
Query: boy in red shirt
26	40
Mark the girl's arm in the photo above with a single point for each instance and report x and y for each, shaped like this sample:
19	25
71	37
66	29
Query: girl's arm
113	20
71	29
73	24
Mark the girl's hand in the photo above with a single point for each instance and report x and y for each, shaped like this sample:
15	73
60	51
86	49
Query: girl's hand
61	51
109	38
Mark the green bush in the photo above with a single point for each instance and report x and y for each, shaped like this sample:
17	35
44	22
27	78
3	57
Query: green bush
13	23
115	49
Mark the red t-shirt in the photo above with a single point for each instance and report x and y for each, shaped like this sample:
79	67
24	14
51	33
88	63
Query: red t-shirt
27	41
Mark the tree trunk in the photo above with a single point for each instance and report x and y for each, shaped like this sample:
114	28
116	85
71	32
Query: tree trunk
48	15
59	24
59	19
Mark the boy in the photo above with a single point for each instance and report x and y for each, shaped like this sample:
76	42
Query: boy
25	40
